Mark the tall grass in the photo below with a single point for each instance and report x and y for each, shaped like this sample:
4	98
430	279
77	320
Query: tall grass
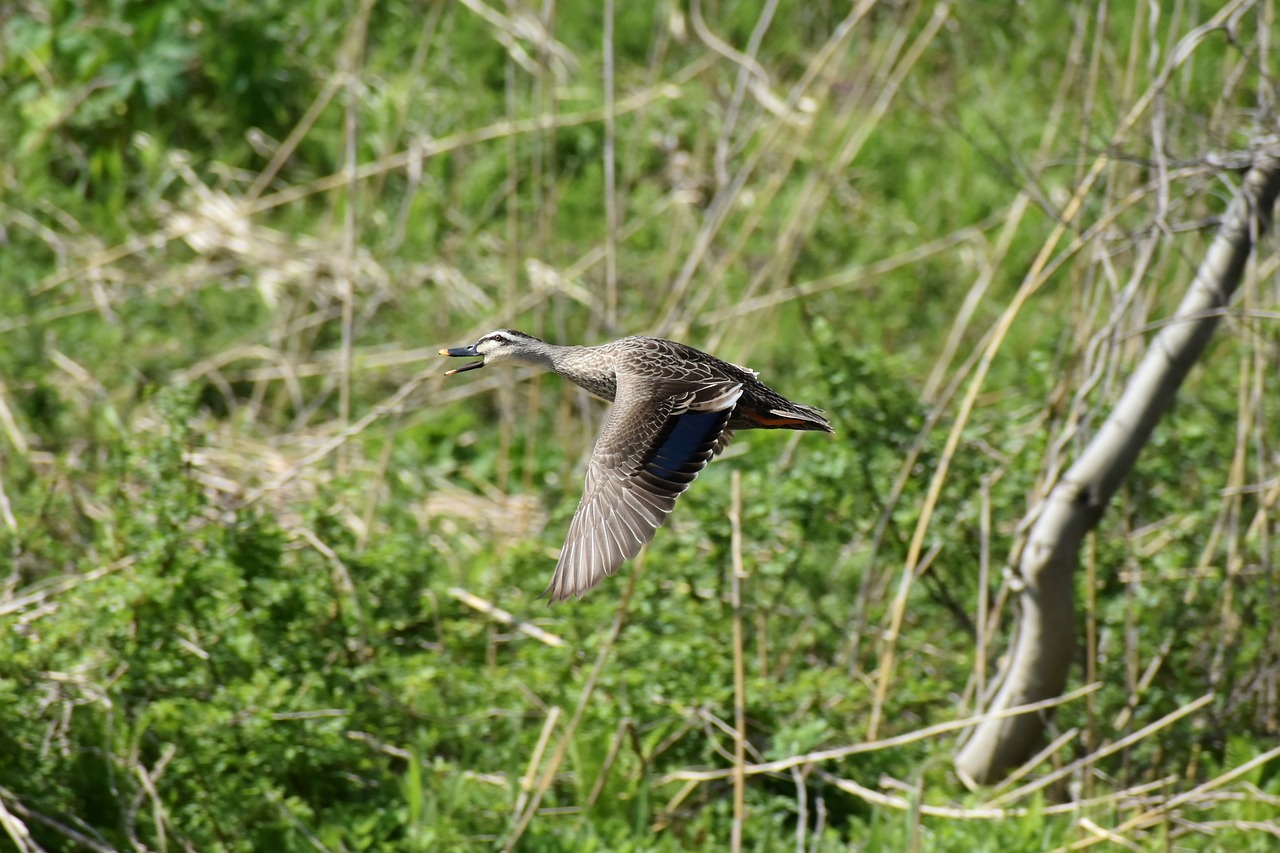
271	579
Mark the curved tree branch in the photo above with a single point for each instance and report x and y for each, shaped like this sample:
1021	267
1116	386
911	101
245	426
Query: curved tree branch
1042	652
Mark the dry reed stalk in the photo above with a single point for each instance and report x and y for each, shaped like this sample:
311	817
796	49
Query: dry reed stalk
411	157
1067	91
562	746
1039	661
1035	278
984	583
352	57
844	278
1102	752
935	415
1109	802
387	406
535	760
787	139
625	727
50	588
818	183
799	776
661	821
14	807
147	780
736	576
723	201
377	486
496	613
1103	834
610	178
344	587
891	72
299	132
1159	812
834	753
17	831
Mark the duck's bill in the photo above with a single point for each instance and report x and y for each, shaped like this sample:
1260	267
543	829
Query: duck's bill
463	352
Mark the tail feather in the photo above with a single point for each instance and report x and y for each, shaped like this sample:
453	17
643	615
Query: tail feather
795	417
811	415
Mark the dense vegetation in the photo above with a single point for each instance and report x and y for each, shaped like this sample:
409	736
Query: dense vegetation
272	581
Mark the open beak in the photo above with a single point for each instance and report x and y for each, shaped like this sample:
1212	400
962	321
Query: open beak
463	352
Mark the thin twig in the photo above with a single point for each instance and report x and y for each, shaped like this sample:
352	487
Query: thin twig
494	612
1152	815
1099	754
736	575
531	771
610	179
562	746
822	755
1031	283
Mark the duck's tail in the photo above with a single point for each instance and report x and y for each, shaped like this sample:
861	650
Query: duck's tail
795	416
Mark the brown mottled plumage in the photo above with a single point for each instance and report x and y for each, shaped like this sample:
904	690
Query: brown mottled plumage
675	407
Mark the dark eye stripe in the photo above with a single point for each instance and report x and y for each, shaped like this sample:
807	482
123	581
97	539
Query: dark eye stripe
505	336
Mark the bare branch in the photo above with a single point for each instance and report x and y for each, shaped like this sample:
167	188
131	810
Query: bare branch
1042	653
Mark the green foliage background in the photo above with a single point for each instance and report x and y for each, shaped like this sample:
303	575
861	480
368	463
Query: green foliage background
240	506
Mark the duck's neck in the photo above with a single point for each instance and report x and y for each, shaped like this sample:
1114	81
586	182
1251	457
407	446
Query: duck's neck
591	368
543	355
563	359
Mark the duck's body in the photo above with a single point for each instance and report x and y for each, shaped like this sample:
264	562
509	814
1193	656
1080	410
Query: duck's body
675	407
597	370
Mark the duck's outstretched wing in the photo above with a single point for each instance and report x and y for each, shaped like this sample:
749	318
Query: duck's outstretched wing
657	438
722	443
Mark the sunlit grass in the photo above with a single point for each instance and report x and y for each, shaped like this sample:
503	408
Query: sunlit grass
237	618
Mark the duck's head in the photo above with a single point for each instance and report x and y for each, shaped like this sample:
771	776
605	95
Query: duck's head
504	345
